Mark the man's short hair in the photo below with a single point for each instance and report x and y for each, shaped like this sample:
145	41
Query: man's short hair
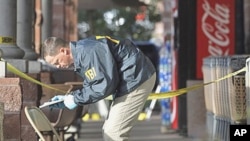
52	45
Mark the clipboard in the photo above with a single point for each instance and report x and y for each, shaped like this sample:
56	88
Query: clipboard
45	104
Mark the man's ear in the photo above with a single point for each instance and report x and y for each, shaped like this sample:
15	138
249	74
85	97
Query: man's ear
61	50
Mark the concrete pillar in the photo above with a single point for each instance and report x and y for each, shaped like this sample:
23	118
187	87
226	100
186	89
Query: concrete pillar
196	111
8	28
47	19
25	14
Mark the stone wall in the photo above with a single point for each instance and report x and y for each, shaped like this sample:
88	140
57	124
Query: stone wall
16	93
11	96
31	95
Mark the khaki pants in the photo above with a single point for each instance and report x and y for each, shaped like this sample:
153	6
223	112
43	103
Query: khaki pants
124	112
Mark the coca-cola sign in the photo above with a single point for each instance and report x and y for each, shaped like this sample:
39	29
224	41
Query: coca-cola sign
215	29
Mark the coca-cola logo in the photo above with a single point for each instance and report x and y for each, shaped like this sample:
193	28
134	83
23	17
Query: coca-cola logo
215	25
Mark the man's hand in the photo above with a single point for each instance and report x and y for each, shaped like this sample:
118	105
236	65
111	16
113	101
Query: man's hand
69	102
59	105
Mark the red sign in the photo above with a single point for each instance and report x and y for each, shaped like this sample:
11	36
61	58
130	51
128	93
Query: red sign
215	30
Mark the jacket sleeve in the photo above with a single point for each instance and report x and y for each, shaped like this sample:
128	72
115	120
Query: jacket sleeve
100	75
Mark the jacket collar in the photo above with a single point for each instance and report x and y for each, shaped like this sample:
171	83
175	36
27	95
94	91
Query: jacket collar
73	49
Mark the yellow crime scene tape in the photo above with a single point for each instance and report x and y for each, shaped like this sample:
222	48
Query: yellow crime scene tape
152	96
14	70
185	90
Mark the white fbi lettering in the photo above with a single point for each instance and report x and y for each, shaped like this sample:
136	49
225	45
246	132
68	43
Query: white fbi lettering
240	132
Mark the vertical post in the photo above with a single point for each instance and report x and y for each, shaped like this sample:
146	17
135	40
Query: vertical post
47	19
25	11
8	30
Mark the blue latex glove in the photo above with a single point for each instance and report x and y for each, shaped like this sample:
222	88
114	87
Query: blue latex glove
59	105
69	102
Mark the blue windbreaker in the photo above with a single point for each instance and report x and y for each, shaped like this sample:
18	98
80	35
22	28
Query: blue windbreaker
108	66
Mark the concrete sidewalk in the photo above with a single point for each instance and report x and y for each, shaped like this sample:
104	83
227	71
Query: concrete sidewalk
147	130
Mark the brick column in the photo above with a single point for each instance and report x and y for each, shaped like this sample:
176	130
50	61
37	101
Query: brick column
16	93
31	95
11	96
